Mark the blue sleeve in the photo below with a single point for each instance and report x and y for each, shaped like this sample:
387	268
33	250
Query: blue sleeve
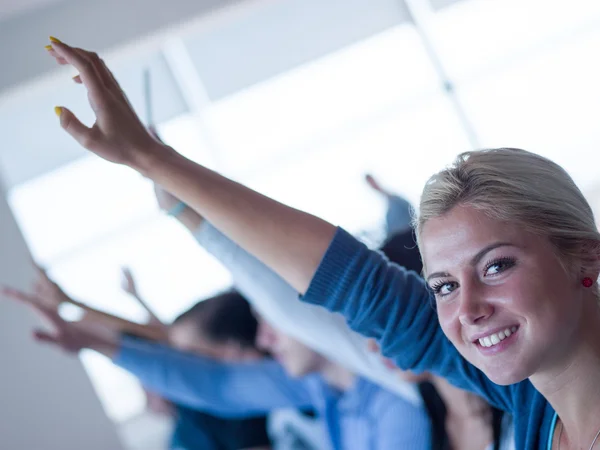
224	389
401	428
383	300
278	303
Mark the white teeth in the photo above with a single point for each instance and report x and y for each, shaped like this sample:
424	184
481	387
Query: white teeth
496	338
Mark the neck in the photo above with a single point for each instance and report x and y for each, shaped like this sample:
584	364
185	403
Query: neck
337	376
460	403
573	386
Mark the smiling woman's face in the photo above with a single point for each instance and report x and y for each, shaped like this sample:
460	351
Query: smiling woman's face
503	297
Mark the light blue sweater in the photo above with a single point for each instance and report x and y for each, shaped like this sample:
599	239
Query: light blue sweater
366	417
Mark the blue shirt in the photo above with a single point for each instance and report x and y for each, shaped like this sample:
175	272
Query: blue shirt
196	430
366	417
386	302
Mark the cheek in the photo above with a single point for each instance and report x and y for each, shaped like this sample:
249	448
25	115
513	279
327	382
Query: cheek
534	295
449	322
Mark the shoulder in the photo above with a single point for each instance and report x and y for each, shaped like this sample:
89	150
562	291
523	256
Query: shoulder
383	403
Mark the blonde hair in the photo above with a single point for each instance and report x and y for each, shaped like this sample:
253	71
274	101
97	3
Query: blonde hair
518	187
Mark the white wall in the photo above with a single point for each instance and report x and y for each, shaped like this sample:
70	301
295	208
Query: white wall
46	399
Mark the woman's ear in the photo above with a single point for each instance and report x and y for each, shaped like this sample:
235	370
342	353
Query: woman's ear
589	260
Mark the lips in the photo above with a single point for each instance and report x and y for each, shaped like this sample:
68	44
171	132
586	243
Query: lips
495	338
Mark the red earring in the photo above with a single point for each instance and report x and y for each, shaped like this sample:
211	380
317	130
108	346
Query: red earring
587	282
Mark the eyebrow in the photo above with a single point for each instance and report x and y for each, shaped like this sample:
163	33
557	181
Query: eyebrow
475	260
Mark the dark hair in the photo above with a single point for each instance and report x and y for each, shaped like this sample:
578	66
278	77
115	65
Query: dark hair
223	318
401	248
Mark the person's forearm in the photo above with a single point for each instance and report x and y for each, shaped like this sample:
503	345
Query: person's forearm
106	349
289	241
234	389
119	325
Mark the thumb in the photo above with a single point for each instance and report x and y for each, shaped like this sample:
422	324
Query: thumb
72	125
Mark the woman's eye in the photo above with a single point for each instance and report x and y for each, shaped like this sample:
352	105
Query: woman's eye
443	288
497	266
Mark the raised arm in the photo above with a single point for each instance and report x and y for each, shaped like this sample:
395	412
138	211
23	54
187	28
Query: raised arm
52	295
287	240
377	299
228	389
222	388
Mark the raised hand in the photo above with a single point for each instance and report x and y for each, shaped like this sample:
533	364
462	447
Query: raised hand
51	293
374	184
129	285
68	336
118	135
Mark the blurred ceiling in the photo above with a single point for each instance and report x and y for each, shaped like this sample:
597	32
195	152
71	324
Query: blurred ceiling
10	8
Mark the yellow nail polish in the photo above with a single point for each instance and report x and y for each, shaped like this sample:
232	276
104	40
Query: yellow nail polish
57	111
53	39
48	47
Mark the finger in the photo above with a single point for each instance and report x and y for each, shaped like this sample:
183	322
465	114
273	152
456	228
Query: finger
388	363
43	336
126	272
34	303
83	63
59	59
373	182
99	66
77	79
20	296
72	125
107	74
373	346
42	279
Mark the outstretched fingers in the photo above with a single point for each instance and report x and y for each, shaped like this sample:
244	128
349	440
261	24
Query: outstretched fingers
85	62
35	303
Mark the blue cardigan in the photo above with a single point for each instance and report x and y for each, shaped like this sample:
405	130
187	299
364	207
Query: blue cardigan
392	305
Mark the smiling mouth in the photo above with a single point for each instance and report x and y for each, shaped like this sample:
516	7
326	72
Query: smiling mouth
496	338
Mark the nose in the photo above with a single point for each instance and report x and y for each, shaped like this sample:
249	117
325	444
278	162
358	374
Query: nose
474	307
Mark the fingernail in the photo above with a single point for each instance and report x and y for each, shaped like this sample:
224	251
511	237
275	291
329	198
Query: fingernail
53	39
48	47
57	111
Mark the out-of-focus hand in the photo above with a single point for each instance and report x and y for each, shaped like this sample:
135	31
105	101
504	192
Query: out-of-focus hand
68	336
374	184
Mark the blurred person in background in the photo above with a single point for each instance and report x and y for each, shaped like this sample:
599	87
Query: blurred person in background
354	412
221	327
224	328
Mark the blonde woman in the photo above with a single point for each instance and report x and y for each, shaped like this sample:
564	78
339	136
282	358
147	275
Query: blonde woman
510	251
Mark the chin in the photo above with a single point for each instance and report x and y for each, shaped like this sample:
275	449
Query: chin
506	374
